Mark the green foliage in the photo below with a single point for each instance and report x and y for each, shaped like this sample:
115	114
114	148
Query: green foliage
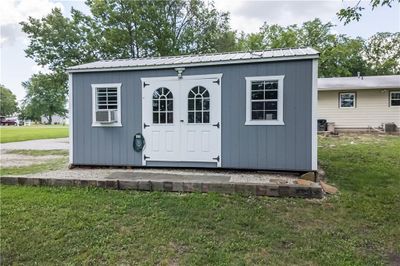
59	42
8	102
45	95
382	53
352	13
124	28
339	55
359	226
13	134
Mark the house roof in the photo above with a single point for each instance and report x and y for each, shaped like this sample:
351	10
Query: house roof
197	60
359	83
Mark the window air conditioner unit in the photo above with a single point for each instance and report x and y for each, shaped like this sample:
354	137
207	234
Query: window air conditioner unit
106	116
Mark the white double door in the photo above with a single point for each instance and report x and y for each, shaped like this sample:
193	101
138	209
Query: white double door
182	119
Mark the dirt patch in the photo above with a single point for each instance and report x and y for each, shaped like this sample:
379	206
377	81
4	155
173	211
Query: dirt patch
18	160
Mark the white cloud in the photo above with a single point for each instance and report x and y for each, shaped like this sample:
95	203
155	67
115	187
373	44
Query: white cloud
39	69
12	12
248	16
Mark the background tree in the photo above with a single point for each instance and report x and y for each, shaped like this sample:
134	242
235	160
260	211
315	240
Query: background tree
340	55
355	12
8	102
45	96
382	53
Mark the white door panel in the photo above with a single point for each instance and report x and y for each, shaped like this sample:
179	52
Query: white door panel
160	133
194	133
200	122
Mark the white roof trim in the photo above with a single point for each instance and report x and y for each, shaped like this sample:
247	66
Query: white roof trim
359	83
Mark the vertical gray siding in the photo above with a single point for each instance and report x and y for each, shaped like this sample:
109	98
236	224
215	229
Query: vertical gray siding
285	147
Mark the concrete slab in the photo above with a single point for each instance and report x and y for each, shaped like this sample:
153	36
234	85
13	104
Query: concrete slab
170	177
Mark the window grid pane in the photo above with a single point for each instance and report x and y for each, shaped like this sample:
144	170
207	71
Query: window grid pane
106	98
163	106
198	105
264	100
347	100
395	98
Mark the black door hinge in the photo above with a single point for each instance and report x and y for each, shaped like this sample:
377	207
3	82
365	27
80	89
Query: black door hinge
216	125
216	158
145	84
145	125
216	81
145	157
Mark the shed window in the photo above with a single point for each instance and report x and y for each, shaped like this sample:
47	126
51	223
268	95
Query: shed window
264	100
395	98
347	100
106	100
163	106
198	105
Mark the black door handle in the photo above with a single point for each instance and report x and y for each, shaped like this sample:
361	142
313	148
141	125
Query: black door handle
182	120
216	125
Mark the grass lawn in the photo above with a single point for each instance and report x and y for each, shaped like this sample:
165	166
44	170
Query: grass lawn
359	226
13	134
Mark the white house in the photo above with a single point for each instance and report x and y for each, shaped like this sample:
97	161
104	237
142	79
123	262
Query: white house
356	103
56	120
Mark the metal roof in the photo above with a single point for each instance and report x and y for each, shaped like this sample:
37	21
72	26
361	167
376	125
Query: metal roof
197	60
366	82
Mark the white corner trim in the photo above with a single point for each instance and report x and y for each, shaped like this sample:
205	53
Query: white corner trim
106	85
279	121
314	115
71	119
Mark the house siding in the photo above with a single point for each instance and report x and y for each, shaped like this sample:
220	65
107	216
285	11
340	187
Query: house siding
372	109
269	147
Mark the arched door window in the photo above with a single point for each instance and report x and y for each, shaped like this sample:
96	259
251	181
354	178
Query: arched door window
198	105
163	106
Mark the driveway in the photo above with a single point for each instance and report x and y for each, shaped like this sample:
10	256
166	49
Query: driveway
38	144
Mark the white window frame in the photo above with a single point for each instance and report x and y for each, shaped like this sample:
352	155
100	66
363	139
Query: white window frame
279	120
119	118
390	99
345	107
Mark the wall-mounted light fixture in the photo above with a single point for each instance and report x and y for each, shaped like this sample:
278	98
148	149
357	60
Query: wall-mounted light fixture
179	70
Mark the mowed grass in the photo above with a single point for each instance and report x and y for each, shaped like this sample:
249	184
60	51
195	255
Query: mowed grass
13	134
359	226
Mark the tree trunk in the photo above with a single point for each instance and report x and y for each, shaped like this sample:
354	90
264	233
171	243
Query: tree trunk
49	119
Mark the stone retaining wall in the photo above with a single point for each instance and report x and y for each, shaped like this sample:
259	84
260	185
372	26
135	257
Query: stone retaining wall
274	190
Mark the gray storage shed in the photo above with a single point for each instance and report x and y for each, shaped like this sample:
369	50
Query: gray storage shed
248	110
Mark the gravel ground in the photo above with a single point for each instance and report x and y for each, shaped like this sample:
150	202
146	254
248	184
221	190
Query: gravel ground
38	144
234	177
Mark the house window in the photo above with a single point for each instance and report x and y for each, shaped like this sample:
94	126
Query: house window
347	100
106	107
264	100
163	106
198	105
395	98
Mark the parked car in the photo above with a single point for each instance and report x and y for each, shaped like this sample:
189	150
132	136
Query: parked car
8	121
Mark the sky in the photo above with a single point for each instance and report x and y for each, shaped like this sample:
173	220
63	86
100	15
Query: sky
246	15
